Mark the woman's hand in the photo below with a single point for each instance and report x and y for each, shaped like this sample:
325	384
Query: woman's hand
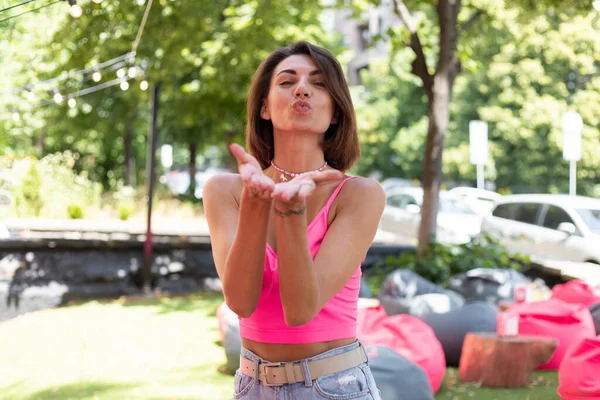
257	183
290	196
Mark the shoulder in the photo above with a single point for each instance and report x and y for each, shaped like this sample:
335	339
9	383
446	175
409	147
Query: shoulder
361	192
219	186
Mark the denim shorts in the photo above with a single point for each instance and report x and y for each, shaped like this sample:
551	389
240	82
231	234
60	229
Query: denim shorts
353	383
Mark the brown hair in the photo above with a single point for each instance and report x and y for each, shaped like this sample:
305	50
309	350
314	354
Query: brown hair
340	145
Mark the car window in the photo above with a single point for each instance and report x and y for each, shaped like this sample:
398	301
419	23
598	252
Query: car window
504	211
555	216
394	200
527	213
591	218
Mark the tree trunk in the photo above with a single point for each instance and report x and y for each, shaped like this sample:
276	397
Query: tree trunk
192	169
39	145
503	361
129	156
432	165
439	92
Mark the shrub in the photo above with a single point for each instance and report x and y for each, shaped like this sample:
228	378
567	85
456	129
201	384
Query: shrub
440	262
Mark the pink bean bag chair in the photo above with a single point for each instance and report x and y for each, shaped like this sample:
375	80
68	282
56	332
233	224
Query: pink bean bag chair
568	323
408	336
579	373
577	291
226	318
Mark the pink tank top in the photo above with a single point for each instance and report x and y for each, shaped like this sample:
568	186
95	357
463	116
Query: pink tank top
337	320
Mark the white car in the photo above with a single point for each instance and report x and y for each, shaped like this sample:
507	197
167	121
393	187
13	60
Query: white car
547	226
481	200
457	222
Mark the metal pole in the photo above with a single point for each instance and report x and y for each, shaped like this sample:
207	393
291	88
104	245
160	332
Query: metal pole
480	176
150	166
573	178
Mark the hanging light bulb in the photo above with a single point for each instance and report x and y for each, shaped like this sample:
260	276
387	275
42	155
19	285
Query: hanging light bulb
121	72
58	98
76	11
124	85
97	76
132	72
144	84
72	103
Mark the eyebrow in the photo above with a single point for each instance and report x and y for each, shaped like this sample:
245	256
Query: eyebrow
293	72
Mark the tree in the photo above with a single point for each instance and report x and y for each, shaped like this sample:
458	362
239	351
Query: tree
438	82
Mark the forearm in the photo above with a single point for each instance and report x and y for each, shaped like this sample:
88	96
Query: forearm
244	266
298	284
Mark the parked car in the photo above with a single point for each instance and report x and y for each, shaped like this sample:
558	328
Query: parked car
178	180
481	200
457	222
393	183
548	226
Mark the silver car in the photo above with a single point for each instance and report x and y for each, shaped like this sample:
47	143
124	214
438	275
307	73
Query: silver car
548	226
457	221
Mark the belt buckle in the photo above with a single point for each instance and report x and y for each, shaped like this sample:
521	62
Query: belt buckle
262	368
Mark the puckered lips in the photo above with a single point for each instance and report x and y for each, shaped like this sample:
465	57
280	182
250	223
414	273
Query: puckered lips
301	106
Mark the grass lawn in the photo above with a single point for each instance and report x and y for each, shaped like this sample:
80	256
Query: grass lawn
150	349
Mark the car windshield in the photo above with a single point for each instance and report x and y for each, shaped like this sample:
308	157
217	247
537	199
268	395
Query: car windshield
591	218
455	205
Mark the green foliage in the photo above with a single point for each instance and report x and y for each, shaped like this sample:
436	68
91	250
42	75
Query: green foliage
75	211
50	187
519	76
125	201
440	262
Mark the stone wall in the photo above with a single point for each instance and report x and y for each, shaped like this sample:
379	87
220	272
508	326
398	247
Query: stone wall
42	273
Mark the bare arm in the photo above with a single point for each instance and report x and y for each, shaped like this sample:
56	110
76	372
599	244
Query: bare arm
306	285
238	235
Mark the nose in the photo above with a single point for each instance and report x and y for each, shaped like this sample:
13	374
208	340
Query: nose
302	89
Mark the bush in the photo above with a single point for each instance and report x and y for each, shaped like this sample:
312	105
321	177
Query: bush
125	201
440	262
50	187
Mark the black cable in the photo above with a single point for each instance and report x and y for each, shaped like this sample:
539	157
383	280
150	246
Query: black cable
28	11
16	5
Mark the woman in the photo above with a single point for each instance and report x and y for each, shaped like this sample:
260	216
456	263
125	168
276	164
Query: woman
290	231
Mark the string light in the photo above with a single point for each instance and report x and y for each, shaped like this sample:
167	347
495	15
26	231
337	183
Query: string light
144	85
97	76
16	5
29	11
72	103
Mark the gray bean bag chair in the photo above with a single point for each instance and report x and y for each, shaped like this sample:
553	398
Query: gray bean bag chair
422	304
451	328
406	292
233	347
396	377
487	284
365	290
405	284
595	310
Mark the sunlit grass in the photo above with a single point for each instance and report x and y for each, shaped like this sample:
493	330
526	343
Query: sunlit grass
149	349
146	349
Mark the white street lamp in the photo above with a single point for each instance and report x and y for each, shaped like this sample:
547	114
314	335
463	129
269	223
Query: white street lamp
478	140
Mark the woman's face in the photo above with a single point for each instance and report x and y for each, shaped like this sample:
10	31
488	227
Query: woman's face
298	99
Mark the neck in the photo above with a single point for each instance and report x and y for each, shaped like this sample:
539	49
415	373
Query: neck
298	153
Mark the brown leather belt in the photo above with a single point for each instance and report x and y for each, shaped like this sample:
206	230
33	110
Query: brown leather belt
281	373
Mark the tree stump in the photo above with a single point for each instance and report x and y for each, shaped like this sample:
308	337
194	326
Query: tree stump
503	361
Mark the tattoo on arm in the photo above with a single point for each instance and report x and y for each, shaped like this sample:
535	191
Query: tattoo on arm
285	214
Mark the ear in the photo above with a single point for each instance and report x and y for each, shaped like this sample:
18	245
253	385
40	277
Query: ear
264	111
334	119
